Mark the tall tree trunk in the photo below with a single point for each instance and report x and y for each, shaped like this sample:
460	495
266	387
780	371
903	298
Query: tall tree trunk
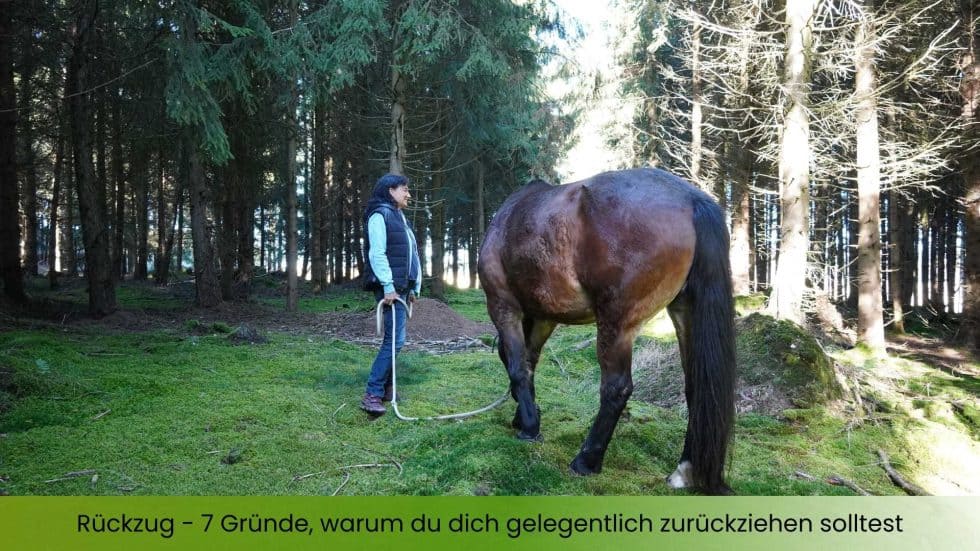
68	245
207	284
179	212
91	189
742	251
227	238
165	233
871	327
786	301
292	127
59	163
321	170
697	145
139	175
897	260
13	277
478	222
29	156
119	184
396	161
952	223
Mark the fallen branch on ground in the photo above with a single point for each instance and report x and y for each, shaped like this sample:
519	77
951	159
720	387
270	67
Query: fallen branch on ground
908	487
71	475
837	480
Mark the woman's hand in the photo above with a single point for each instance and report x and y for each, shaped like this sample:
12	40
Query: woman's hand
390	298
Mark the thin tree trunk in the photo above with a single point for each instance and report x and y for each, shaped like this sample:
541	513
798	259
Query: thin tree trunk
91	189
318	277
59	162
119	184
139	175
396	161
897	261
68	246
29	158
871	327
478	222
786	301
292	127
208	286
165	233
13	277
696	103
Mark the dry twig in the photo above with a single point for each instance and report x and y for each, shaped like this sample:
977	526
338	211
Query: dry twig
71	475
908	487
837	480
342	484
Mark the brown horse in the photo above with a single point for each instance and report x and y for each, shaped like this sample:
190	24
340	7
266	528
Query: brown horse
613	250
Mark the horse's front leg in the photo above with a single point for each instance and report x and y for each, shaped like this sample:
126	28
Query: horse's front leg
615	350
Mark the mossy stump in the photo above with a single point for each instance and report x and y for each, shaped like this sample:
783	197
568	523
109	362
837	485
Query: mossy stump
786	355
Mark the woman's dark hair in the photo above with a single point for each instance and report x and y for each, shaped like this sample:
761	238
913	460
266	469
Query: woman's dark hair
380	195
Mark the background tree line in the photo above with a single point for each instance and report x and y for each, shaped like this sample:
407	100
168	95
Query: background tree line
841	136
238	137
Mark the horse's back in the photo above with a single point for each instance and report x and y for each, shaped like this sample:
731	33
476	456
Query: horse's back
616	237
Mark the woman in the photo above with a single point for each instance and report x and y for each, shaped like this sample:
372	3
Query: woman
392	271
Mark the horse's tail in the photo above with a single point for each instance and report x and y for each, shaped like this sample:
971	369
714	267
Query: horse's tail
711	352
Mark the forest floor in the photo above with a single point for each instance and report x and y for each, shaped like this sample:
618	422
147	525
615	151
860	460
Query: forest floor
160	398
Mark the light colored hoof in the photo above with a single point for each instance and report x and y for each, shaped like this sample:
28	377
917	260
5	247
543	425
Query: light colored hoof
681	477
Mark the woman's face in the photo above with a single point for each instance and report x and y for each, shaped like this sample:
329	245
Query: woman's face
401	195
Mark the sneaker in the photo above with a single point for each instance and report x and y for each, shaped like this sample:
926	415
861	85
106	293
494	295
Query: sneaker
372	404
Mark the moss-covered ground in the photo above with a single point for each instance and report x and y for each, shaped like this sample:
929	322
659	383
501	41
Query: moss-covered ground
184	411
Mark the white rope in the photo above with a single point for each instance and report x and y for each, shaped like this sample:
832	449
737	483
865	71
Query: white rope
394	377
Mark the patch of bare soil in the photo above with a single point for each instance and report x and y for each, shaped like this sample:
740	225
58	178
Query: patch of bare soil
433	325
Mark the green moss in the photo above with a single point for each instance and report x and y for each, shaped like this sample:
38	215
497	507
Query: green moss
781	352
745	304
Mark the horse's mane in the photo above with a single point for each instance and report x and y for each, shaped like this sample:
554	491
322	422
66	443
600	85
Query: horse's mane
537	181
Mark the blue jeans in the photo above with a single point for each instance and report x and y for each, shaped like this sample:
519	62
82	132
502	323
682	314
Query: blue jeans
381	369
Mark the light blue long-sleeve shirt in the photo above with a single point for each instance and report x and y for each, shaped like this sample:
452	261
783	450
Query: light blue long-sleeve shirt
378	244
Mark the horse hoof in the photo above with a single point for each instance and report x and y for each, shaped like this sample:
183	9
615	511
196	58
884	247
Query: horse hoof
516	422
581	468
527	437
681	477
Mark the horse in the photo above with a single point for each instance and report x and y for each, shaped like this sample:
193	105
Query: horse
614	250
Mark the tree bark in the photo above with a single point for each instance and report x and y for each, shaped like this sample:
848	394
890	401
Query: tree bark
896	260
871	327
139	175
119	184
91	189
59	162
207	284
321	171
696	103
13	277
789	286
292	127
29	157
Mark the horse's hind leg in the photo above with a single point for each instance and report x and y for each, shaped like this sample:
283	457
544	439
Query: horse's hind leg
536	333
680	313
512	353
615	350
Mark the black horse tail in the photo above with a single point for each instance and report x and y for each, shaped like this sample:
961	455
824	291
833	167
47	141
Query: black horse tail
711	351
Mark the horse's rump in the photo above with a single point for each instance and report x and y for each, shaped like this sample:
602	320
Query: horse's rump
572	245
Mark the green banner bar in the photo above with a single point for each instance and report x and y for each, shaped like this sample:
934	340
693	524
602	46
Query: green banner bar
538	523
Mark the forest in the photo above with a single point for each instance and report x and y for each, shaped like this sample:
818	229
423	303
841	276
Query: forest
214	158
